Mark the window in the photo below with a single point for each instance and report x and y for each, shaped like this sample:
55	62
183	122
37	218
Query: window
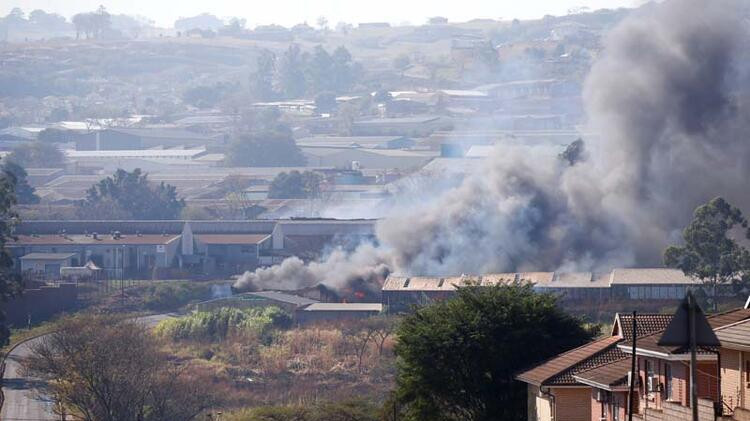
747	371
650	386
668	388
615	409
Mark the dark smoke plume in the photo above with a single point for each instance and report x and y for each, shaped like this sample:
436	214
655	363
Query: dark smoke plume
668	99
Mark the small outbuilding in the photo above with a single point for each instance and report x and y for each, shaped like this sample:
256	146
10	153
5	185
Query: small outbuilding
48	264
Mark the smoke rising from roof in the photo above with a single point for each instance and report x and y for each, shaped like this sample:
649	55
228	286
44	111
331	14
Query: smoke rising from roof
666	97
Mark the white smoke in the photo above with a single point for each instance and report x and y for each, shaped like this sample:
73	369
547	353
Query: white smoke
666	97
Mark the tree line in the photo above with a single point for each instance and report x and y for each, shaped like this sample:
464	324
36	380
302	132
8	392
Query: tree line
297	73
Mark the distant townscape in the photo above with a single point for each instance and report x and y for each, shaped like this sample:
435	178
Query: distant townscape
375	222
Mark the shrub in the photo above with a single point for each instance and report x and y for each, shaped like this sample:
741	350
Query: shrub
170	296
217	325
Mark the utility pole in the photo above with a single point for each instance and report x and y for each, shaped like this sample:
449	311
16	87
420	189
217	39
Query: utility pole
693	346
633	374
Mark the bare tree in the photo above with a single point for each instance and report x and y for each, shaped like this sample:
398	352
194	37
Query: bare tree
359	337
100	368
382	327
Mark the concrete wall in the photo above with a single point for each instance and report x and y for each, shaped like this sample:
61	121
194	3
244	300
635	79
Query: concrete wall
40	304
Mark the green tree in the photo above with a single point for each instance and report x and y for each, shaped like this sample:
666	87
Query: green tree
261	81
129	195
342	70
710	253
325	102
24	192
37	155
295	185
320	71
267	148
10	283
457	359
292	72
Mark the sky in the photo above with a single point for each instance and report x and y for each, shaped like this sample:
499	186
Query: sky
290	12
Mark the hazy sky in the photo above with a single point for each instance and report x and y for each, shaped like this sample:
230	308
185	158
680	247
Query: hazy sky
289	12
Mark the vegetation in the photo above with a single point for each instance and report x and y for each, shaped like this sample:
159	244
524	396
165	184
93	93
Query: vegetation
353	410
24	192
37	155
300	73
10	283
217	325
268	143
710	253
166	296
457	359
295	185
92	24
129	195
100	368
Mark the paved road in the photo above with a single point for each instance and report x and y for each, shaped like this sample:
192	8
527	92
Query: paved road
22	401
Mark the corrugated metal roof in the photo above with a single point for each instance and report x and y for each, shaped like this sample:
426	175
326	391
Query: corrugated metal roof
54	239
282	297
373	307
735	334
651	276
612	375
47	256
232	238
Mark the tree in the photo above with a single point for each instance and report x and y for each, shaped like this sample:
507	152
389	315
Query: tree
261	82
37	155
101	368
265	148
129	195
320	71
24	192
323	23
325	102
10	282
457	359
292	72
295	185
710	253
574	153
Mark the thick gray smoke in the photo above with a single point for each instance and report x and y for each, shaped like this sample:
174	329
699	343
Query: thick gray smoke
667	98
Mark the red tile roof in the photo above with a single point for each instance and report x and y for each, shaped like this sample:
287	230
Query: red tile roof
560	364
646	324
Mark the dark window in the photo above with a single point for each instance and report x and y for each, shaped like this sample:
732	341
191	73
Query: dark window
668	382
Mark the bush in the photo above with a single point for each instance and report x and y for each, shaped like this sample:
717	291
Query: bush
170	296
356	410
217	325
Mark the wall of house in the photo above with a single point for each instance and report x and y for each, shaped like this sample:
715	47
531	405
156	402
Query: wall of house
616	402
675	412
572	403
731	377
539	406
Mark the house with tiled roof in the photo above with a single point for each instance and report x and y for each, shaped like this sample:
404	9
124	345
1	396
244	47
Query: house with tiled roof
592	382
558	392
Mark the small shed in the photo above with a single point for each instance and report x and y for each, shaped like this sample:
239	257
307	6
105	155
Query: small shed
336	312
48	264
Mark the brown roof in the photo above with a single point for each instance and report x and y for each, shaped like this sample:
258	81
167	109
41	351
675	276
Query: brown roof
612	375
558	365
567	377
645	323
231	238
79	239
733	335
650	342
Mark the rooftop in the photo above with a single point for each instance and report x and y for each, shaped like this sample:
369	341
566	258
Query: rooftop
86	239
735	335
608	376
48	256
140	153
232	238
283	298
373	307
